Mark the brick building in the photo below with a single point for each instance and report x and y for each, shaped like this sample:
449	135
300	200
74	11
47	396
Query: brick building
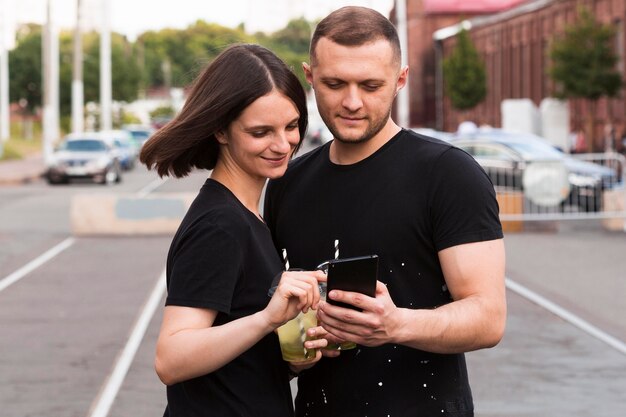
424	17
514	42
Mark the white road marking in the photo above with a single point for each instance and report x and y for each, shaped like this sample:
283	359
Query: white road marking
104	401
151	187
566	315
36	263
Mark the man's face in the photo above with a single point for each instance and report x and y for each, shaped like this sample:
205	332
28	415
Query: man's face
355	87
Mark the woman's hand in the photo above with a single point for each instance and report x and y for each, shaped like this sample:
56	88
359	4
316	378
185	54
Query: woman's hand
296	291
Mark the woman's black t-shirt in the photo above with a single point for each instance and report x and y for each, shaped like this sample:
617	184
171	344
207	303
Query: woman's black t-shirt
222	258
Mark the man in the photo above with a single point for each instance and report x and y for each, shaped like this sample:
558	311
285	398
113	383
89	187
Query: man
424	207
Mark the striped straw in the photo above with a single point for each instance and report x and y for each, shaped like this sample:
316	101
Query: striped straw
336	248
285	260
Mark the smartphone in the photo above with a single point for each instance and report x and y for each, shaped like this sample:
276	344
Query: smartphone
357	274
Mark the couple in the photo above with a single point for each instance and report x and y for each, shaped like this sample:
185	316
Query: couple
424	207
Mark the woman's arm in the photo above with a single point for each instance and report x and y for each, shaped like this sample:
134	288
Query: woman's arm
190	346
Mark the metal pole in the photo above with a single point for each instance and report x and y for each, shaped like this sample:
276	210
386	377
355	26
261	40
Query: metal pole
4	76
77	75
403	95
54	74
105	68
48	115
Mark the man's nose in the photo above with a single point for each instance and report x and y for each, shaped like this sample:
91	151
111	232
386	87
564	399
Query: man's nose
352	100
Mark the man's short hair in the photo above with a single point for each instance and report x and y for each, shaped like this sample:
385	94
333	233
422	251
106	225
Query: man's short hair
355	26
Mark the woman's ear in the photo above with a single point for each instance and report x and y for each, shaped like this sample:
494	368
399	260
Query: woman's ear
221	137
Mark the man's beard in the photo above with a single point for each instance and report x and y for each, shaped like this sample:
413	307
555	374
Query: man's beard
370	132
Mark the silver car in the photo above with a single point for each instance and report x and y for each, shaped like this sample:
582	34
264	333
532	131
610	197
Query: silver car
84	158
506	155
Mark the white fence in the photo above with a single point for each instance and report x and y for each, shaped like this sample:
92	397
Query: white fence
589	186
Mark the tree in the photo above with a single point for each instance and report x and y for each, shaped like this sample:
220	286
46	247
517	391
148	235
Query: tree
25	62
583	64
25	77
464	74
291	44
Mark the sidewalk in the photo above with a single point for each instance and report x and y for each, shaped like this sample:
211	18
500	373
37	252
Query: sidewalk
21	171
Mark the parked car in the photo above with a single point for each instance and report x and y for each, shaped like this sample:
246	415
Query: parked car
319	134
139	133
123	144
437	134
506	155
84	158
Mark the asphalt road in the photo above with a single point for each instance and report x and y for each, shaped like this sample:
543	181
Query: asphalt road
66	323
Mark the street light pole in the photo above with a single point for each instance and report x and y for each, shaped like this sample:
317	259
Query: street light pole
105	68
4	76
402	101
49	114
77	75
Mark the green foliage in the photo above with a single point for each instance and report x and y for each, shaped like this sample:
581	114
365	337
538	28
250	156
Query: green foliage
174	57
25	78
291	44
165	58
26	72
583	60
464	74
163	112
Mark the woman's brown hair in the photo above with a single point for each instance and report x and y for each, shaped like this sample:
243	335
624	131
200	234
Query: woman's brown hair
231	82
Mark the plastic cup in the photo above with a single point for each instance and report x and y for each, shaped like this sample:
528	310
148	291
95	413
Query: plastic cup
292	336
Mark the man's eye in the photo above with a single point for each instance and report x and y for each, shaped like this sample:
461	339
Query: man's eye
333	86
371	87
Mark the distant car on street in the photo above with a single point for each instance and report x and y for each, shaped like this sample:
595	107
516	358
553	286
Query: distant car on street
506	155
123	144
437	134
319	134
84	158
140	133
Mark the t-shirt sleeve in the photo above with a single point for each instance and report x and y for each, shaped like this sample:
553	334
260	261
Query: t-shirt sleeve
204	269
463	205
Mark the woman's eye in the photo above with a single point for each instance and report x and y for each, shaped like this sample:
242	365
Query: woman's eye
258	134
293	126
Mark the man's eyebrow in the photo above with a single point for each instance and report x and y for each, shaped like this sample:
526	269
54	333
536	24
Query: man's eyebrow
366	81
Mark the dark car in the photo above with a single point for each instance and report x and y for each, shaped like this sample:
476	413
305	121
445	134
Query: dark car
506	156
84	158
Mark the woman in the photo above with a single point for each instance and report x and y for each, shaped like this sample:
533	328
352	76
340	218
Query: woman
217	352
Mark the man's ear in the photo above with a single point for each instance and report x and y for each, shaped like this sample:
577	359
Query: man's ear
403	78
221	138
307	73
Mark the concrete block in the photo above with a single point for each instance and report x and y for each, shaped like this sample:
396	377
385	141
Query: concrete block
127	214
614	201
511	203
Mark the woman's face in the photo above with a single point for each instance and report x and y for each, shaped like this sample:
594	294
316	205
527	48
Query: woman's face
261	140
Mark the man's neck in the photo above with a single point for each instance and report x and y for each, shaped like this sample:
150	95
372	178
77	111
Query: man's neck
350	153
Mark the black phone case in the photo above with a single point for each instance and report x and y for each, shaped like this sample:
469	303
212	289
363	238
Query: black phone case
357	274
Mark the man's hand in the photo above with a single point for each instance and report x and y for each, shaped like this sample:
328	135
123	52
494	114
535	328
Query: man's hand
373	326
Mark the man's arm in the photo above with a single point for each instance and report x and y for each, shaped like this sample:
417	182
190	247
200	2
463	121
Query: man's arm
475	319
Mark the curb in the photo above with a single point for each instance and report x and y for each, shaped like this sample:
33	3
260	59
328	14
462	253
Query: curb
125	214
20	179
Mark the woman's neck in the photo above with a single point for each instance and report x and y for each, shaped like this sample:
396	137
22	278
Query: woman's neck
246	188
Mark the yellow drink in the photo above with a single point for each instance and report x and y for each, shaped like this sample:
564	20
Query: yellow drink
292	336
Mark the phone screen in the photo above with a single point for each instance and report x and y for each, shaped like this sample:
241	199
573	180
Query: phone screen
357	274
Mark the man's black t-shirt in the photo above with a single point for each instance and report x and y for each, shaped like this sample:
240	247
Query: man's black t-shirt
409	200
222	258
